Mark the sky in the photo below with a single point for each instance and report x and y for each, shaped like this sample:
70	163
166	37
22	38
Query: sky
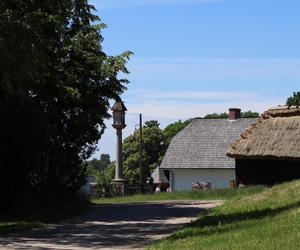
194	57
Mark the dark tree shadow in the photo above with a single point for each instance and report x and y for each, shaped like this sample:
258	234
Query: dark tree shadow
103	226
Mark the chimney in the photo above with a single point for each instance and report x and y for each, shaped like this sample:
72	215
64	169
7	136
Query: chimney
234	113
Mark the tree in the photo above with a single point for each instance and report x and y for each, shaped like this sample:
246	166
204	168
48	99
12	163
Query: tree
100	164
55	87
103	184
153	150
104	160
294	99
95	165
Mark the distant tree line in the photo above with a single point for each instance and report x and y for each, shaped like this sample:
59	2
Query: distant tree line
247	114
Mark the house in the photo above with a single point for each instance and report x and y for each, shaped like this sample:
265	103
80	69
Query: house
198	152
269	151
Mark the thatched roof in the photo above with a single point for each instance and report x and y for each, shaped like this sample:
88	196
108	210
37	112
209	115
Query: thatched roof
203	144
159	176
276	135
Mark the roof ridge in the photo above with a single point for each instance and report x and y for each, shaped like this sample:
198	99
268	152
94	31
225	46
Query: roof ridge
281	111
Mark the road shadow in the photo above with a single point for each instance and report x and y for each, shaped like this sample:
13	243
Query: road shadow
105	226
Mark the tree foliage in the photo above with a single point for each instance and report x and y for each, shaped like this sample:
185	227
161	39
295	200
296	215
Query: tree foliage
55	87
153	150
294	99
103	183
174	128
94	165
216	116
247	114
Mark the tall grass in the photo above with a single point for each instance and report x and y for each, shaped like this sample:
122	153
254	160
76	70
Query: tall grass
269	219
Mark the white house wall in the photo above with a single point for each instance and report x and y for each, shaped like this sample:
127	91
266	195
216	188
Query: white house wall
182	179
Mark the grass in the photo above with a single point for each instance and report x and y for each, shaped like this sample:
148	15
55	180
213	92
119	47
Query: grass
269	219
212	194
34	214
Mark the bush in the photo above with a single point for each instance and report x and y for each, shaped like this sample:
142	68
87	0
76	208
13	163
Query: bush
103	184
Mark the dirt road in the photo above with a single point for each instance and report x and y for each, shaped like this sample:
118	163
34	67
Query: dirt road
117	226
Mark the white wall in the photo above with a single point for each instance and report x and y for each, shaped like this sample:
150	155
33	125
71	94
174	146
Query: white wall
182	179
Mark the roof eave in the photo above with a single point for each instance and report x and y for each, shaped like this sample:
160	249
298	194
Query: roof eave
263	157
170	168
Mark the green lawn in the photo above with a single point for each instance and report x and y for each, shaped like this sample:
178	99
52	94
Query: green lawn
34	214
212	194
269	219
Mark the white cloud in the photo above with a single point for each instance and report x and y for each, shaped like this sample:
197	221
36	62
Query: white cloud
173	110
104	4
191	95
188	104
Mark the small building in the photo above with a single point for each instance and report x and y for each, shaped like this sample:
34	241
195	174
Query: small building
159	178
268	152
90	186
198	152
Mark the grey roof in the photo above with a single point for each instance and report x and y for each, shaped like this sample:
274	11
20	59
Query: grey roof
159	176
203	144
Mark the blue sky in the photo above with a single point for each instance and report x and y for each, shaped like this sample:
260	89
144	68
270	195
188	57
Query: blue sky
193	57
